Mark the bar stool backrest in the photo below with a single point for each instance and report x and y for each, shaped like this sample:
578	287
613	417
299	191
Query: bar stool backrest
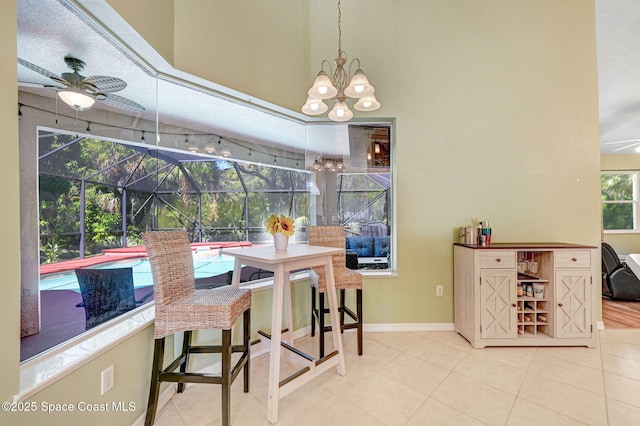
329	236
171	263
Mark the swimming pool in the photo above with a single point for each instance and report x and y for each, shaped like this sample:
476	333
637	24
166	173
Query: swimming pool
206	264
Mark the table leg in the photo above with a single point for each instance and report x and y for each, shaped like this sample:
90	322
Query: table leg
288	308
333	307
276	338
237	271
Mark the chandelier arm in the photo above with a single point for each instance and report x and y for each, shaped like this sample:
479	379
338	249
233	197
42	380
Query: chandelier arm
351	63
324	61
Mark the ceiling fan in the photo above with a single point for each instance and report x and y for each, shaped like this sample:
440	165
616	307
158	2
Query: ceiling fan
81	92
629	143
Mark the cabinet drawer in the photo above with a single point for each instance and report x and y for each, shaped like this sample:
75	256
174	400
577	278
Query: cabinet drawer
497	259
573	258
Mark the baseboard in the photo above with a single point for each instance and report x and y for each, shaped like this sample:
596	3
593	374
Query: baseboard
408	327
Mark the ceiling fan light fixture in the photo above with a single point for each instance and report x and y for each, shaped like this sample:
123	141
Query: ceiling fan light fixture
76	100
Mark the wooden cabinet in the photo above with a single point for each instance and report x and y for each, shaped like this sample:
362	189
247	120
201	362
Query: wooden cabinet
525	294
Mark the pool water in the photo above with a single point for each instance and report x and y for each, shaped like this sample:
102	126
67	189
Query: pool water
206	264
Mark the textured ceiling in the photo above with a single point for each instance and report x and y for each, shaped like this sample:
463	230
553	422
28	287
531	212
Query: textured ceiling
49	30
618	49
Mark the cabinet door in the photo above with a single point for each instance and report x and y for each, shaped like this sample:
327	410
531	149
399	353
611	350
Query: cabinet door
573	304
498	314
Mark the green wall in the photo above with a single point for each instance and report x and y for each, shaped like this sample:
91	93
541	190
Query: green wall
9	229
496	118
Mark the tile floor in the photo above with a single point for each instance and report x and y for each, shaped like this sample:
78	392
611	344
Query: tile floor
436	378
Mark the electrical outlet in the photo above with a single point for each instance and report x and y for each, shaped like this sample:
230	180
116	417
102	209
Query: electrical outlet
107	380
439	290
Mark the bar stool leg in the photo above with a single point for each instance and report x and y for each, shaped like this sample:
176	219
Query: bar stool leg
246	323
313	311
154	389
226	373
321	321
359	315
186	345
342	297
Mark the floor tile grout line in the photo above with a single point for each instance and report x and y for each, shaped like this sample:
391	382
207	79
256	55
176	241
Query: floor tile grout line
451	371
604	379
530	360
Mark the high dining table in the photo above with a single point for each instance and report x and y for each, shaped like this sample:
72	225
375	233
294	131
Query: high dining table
281	263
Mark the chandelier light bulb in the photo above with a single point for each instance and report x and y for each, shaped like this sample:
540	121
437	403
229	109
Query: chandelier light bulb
209	148
341	112
368	103
322	87
359	86
314	106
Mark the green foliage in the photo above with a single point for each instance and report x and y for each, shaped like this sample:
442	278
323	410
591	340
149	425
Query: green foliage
617	197
212	199
51	252
617	186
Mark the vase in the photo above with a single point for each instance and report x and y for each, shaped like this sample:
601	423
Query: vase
281	241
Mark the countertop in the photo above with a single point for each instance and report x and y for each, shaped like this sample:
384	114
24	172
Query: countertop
529	245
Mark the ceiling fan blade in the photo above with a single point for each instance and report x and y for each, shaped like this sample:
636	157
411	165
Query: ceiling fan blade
42	71
106	84
617	142
46	86
122	103
628	146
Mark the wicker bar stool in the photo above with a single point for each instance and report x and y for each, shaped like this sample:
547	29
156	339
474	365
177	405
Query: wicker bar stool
181	308
334	236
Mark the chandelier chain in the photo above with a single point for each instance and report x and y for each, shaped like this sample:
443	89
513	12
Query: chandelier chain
339	28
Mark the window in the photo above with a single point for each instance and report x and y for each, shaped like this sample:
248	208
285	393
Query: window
353	177
619	200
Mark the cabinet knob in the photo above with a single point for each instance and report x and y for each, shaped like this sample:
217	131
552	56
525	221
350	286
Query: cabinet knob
498	260
574	259
514	305
560	305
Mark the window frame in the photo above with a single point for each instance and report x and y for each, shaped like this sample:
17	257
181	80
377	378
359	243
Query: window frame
635	176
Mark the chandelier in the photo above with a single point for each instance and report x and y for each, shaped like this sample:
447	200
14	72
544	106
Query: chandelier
339	87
